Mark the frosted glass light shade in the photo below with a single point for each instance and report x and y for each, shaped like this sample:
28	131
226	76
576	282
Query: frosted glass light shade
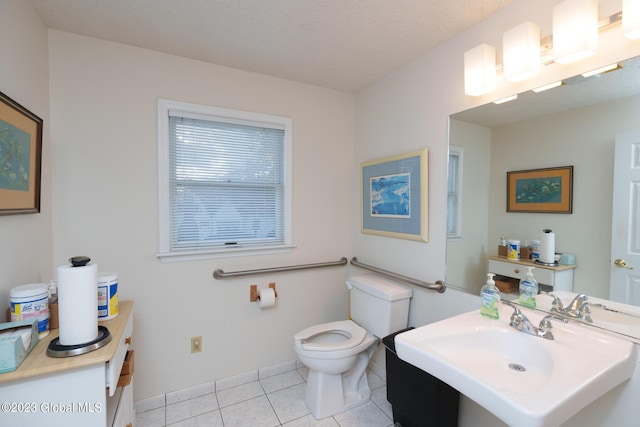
575	30
521	52
631	19
479	70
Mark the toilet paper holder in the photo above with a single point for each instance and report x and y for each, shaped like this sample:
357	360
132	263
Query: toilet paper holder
253	292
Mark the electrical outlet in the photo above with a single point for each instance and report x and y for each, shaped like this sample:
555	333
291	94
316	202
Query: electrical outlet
196	344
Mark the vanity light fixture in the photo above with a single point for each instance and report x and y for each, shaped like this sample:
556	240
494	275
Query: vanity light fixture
602	70
549	86
631	19
507	99
479	70
575	30
521	52
575	37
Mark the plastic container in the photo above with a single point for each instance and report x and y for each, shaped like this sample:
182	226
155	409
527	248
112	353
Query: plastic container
490	295
107	296
31	302
528	289
535	249
513	249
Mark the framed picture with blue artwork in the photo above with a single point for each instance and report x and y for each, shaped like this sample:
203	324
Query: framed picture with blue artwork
20	158
394	196
548	190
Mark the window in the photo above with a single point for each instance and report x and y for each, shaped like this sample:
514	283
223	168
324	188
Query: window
454	193
224	182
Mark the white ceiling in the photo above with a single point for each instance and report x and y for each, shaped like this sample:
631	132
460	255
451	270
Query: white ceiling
340	44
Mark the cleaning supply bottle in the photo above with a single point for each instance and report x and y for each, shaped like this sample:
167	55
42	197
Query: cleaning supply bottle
528	289
490	295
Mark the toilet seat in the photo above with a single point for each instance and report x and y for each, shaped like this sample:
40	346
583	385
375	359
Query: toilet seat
354	335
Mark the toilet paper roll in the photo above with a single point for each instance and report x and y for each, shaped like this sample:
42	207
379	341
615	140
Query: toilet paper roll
77	304
548	247
266	297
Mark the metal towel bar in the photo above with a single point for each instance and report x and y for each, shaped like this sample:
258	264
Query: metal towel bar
438	286
219	274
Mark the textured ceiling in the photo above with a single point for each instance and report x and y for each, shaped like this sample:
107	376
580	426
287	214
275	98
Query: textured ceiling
340	44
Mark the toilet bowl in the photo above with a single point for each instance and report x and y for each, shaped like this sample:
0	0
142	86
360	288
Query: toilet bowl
338	353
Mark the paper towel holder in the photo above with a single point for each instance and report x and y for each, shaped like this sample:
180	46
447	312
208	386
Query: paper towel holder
253	292
547	264
79	261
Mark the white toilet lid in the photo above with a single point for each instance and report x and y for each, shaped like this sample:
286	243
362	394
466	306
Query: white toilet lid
354	334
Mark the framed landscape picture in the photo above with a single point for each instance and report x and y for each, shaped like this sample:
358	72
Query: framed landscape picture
394	196
20	158
548	190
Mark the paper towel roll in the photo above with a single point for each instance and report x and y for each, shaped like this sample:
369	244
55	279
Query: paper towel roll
266	297
548	247
77	304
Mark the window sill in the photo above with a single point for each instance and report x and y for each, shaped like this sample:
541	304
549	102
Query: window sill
166	257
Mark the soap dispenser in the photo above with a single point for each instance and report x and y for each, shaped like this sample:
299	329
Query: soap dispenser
528	289
490	295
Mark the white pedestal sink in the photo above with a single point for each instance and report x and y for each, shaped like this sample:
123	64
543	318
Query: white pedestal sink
522	379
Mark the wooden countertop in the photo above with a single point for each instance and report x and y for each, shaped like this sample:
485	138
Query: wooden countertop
38	363
532	263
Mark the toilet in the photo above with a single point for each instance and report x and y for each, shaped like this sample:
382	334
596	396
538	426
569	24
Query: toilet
338	353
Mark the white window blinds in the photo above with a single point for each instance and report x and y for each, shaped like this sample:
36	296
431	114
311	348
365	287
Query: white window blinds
226	182
454	192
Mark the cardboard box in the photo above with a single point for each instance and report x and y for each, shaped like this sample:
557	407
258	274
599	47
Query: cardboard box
507	285
12	343
53	315
502	250
127	370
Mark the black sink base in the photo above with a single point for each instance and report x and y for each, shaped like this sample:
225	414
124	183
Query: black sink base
418	399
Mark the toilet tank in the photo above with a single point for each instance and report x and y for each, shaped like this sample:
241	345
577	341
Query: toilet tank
378	305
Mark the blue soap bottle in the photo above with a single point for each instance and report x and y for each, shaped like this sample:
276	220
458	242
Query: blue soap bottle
490	295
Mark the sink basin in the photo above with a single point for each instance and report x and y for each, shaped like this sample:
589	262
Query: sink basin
522	379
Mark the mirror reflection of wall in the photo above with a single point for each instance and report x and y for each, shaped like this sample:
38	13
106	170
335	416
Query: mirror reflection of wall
582	137
467	252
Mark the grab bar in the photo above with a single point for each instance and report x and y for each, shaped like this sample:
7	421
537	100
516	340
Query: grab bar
439	286
219	274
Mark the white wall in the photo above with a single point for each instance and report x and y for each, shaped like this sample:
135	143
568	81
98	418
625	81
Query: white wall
408	110
25	251
104	134
584	138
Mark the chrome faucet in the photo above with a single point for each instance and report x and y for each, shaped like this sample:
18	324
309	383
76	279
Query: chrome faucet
577	309
520	322
544	329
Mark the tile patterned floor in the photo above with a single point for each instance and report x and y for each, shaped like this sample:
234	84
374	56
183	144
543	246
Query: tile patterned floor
266	401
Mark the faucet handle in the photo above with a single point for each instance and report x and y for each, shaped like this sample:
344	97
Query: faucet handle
544	329
557	302
517	318
545	323
516	310
585	309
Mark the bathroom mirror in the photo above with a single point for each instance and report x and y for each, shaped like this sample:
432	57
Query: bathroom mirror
572	125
